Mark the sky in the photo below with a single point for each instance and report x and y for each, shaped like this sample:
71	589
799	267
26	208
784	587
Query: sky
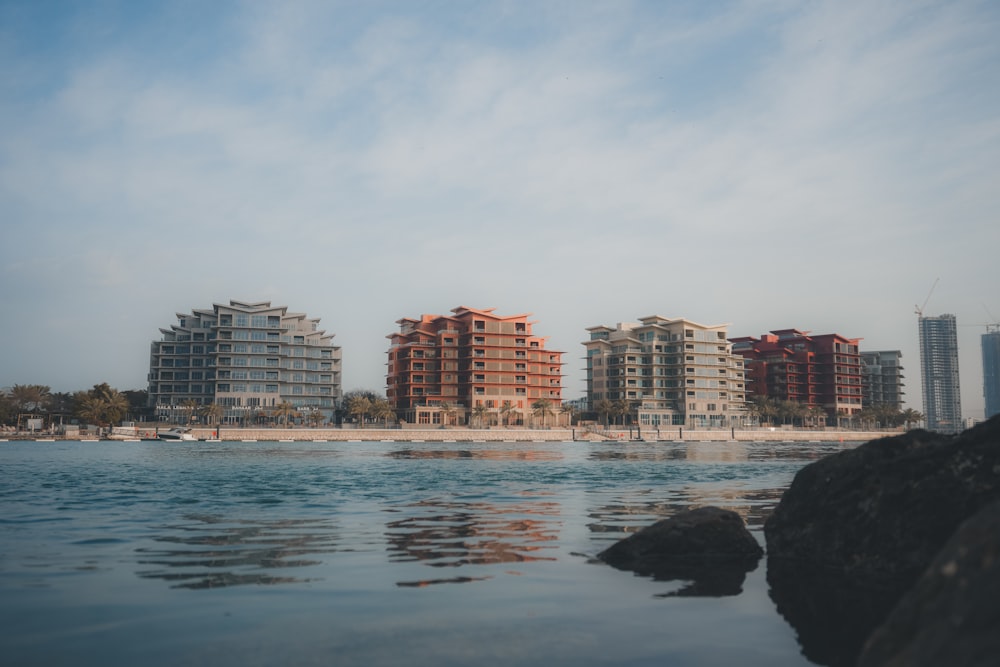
770	164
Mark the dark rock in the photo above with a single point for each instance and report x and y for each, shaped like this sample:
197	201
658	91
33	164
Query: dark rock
855	530
952	615
832	613
883	510
709	547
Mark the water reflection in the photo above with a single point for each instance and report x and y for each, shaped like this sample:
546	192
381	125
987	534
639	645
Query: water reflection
481	454
429	582
832	614
712	451
704	580
629	514
452	533
213	552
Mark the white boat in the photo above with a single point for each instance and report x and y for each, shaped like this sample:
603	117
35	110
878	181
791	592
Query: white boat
176	434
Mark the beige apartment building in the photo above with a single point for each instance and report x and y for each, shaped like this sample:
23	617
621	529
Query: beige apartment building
670	372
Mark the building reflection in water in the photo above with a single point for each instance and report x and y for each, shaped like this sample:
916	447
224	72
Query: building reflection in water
698	579
483	454
452	533
629	515
212	552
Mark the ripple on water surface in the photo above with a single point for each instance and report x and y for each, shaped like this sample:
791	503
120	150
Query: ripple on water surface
372	538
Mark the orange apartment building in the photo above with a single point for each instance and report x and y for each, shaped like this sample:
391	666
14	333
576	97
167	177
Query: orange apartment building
473	366
792	365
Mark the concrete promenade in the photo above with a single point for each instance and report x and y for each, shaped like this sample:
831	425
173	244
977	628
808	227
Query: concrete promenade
496	434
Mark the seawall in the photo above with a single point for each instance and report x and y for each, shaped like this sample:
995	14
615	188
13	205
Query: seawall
461	434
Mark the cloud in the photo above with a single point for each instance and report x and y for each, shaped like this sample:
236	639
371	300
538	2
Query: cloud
766	164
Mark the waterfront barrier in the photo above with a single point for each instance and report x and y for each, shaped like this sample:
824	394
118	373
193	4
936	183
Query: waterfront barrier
496	434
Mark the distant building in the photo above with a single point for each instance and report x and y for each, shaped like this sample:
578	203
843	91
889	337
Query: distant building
247	358
473	366
821	371
939	373
670	372
991	370
882	378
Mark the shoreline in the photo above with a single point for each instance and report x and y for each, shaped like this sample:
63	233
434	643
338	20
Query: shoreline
461	434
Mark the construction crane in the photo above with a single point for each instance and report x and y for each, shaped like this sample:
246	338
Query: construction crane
920	309
992	326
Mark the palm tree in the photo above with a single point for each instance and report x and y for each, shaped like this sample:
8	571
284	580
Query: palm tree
315	418
622	409
568	409
29	397
505	411
358	407
380	409
479	414
211	412
604	408
867	417
189	406
255	416
103	405
815	413
911	416
7	410
448	411
541	407
284	410
887	414
90	409
765	408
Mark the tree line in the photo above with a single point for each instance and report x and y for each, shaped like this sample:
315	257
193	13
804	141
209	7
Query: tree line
102	405
366	406
781	412
775	412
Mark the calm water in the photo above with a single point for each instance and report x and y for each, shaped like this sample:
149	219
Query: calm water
372	554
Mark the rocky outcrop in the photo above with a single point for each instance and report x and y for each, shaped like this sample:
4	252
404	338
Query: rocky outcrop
832	613
952	615
709	547
884	509
855	531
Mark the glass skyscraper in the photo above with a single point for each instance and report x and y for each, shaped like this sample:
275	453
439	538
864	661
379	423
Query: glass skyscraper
991	369
939	373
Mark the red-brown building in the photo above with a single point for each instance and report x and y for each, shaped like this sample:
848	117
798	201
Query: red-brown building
792	365
473	366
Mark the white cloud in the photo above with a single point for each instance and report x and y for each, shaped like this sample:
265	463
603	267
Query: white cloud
768	165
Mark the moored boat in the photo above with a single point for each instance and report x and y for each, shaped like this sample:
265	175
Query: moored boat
176	434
